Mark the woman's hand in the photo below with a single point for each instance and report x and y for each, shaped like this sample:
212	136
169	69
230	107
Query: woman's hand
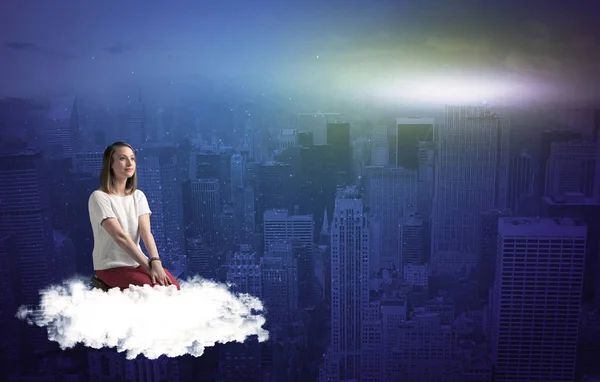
158	274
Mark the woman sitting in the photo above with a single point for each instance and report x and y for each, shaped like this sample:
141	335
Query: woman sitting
120	216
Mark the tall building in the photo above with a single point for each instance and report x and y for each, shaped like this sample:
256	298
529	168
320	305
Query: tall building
393	314
249	143
159	179
549	137
380	150
207	165
487	232
391	195
372	344
202	204
149	181
25	218
411	240
10	351
409	132
230	227
249	215
425	190
280	285
471	176
520	179
238	169
349	281
314	178
62	136
274	188
338	137
242	361
537	296
200	259
134	122
425	179
360	155
64	259
571	168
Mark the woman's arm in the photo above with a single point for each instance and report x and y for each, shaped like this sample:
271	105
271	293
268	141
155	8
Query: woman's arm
146	235
114	229
157	273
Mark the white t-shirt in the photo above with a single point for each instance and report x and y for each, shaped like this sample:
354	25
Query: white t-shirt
127	209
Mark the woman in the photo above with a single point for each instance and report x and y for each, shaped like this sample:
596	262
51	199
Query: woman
120	216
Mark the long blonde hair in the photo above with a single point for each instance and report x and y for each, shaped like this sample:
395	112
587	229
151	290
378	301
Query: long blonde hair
106	175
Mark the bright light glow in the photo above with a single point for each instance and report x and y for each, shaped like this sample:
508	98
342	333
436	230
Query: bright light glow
146	320
436	89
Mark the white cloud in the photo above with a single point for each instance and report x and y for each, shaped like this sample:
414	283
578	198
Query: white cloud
146	320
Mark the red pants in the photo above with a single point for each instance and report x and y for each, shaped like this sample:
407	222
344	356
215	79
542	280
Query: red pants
122	277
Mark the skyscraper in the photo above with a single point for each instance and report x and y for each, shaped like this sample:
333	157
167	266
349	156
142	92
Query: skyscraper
570	168
338	137
471	176
26	220
349	280
537	296
380	150
274	188
238	168
549	137
201	210
61	133
242	361
134	121
409	132
411	240
279	278
520	179
391	194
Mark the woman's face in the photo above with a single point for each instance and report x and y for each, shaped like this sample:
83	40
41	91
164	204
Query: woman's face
123	163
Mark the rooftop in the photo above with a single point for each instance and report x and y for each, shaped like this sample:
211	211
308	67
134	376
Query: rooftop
544	227
570	199
282	213
287	132
415	120
348	192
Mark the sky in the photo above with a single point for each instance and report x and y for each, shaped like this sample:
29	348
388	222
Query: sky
532	48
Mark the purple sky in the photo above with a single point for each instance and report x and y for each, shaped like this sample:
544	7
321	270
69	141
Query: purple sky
342	46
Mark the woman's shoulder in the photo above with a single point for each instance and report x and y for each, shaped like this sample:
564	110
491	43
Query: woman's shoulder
138	194
98	194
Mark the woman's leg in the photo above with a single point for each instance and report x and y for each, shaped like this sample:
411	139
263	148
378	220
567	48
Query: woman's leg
122	277
146	278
